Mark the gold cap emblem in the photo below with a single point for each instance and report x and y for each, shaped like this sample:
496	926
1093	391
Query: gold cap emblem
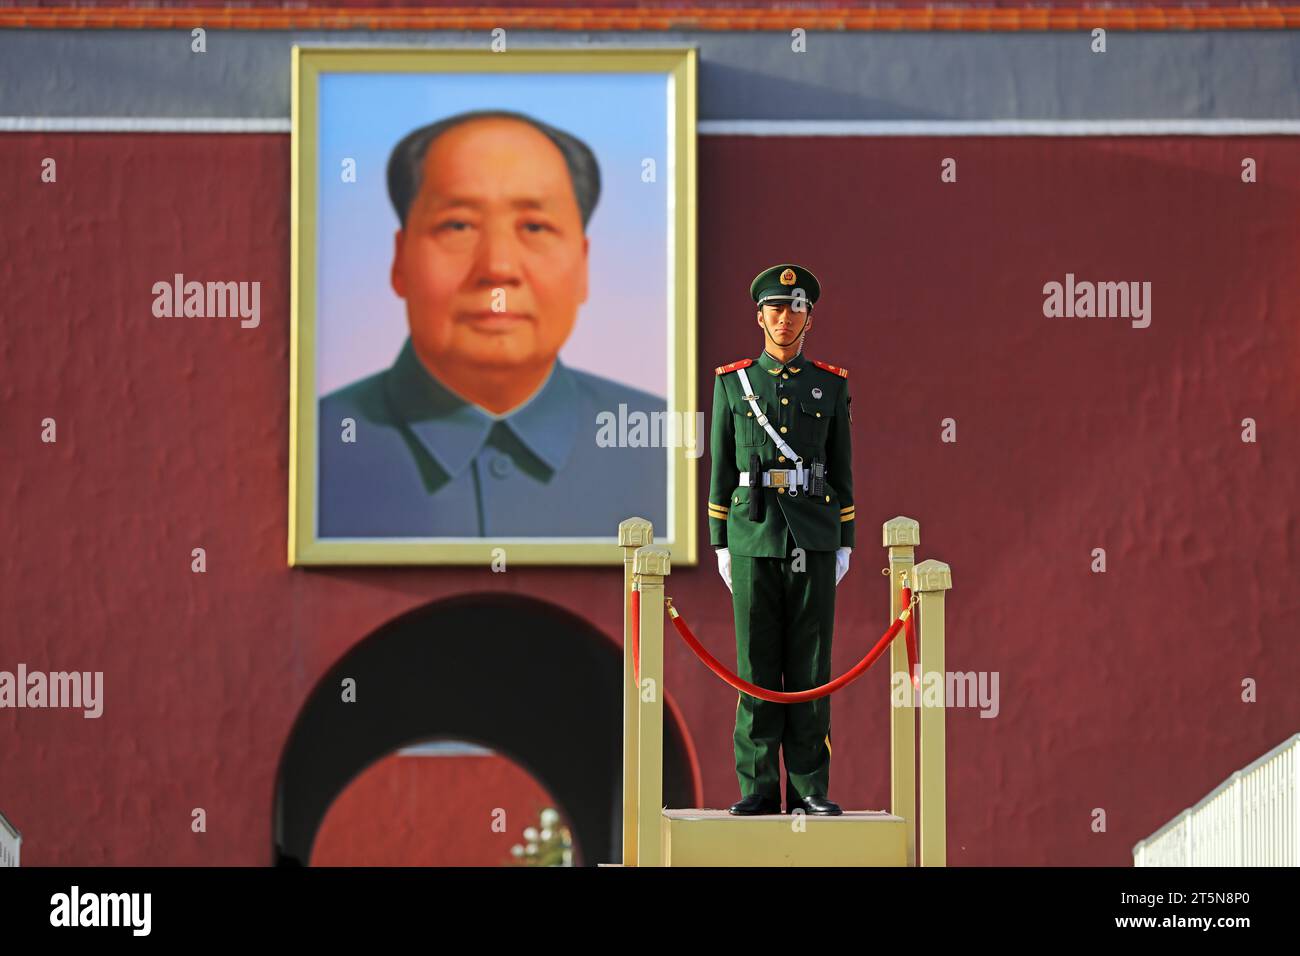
787	277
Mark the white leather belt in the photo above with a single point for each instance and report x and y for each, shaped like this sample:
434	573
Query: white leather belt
779	478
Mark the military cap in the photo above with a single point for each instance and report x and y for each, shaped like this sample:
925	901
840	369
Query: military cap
778	283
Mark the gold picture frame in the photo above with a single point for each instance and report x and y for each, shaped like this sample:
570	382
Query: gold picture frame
678	66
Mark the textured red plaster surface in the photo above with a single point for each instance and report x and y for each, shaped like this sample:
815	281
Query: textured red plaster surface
431	811
1118	691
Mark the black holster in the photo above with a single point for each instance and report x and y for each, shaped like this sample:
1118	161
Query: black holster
755	488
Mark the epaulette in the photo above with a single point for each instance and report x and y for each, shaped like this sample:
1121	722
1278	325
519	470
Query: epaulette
724	369
833	369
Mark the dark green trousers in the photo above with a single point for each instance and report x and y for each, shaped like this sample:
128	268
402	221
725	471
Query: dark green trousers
784	620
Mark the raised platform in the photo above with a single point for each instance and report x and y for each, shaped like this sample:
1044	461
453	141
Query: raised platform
653	836
716	838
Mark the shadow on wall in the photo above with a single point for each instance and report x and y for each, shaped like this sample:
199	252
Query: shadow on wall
528	679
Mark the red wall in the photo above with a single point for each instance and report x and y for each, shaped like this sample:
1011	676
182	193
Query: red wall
431	811
1119	691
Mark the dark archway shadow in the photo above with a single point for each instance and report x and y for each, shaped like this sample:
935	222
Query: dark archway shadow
526	678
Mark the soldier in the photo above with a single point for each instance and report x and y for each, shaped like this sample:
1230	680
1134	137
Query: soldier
781	519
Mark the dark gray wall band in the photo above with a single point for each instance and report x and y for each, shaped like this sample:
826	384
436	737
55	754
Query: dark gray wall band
749	76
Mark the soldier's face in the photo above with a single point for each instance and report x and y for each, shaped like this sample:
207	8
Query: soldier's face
784	323
492	261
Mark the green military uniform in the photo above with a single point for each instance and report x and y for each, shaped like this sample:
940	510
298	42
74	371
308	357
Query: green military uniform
783	599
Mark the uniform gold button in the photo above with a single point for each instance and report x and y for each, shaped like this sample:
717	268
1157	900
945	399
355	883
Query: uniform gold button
785	376
785	401
750	414
780	491
736	501
819	414
780	457
828	498
782	429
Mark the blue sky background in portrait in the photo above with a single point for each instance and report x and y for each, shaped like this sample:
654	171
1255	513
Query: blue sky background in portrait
622	329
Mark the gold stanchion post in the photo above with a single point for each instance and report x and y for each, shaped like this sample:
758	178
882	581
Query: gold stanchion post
650	567
932	581
902	536
632	534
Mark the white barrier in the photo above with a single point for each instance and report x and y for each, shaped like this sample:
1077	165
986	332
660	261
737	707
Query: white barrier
1251	819
10	842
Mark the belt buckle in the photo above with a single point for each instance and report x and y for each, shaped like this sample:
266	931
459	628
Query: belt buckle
778	479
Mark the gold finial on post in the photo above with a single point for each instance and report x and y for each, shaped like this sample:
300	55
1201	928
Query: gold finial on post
635	533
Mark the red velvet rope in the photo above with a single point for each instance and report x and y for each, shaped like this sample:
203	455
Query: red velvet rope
794	697
911	641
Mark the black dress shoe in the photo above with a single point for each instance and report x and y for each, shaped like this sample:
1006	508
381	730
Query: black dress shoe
755	805
818	806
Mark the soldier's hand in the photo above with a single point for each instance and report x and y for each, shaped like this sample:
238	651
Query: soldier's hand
841	564
724	566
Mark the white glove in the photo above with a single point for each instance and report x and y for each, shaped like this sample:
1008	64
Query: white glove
841	564
724	566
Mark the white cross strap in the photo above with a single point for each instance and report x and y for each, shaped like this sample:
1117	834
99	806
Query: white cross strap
800	480
767	425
